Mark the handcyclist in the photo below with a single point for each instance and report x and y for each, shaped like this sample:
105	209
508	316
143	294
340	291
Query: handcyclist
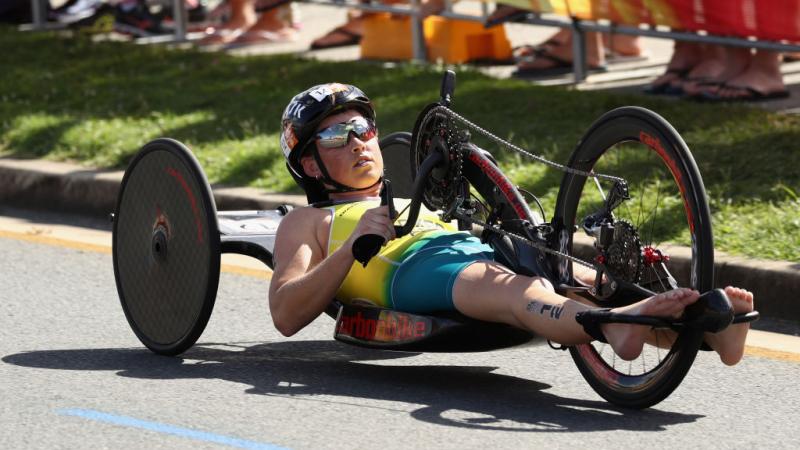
330	141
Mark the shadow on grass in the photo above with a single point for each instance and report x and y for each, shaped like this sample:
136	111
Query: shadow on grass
38	141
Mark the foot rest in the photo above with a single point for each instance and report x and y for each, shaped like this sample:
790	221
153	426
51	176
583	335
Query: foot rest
747	317
712	312
606	316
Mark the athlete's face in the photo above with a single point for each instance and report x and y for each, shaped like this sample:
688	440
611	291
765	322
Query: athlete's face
357	163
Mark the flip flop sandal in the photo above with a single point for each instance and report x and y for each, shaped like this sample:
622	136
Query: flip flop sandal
222	36
513	15
708	85
667	88
350	39
751	95
618	58
791	57
259	37
700	82
561	67
523	51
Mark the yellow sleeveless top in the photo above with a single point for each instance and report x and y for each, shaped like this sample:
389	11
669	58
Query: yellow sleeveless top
370	285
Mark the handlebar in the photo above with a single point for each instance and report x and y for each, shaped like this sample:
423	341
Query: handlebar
367	246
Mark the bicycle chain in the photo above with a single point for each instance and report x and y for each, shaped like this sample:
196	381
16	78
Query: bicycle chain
491	136
537	245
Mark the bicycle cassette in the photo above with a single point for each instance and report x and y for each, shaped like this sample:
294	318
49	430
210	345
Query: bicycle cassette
623	257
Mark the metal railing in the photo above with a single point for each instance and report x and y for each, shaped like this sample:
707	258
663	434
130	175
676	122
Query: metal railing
579	28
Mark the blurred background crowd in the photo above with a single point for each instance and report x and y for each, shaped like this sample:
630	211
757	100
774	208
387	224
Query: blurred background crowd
697	71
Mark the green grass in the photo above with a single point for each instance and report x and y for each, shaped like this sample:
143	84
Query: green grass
97	103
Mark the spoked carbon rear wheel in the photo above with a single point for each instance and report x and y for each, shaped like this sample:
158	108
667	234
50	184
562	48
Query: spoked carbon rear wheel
667	214
166	247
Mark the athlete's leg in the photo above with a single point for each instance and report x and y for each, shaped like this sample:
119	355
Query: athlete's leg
488	291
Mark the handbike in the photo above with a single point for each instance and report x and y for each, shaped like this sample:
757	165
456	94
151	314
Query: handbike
168	238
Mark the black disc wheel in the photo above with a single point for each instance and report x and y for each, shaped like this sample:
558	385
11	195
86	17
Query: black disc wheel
662	239
166	247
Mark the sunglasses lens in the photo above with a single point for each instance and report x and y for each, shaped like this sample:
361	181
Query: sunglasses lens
333	136
368	132
338	135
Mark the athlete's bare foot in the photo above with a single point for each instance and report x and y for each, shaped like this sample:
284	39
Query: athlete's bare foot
729	343
628	340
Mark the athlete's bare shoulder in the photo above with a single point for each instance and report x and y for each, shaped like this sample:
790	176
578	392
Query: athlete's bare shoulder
304	224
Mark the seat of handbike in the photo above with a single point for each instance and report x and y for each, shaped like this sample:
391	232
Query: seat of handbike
439	332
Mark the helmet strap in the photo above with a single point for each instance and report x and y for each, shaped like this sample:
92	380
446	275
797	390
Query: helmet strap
338	187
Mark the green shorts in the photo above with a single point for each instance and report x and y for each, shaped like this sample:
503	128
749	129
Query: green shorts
424	281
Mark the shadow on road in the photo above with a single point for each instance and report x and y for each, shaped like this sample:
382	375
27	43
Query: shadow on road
458	396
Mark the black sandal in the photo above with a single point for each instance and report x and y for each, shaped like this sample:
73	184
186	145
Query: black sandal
667	88
561	66
350	38
513	14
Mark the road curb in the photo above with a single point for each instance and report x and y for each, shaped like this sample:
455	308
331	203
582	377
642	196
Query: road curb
39	184
34	183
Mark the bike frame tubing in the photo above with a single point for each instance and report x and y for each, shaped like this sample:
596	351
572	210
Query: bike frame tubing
484	175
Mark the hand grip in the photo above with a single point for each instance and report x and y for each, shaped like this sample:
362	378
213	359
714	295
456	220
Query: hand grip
447	88
368	245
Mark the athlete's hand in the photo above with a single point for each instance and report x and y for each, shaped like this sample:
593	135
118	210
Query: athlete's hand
374	221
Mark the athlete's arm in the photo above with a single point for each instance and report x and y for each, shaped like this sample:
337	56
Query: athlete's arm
304	281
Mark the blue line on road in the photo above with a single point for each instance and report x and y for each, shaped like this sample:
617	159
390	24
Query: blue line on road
167	429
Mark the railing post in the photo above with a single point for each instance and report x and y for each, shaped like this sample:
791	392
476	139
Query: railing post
180	17
38	11
417	33
578	51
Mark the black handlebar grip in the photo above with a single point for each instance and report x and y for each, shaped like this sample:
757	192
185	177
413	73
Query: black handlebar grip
448	88
368	245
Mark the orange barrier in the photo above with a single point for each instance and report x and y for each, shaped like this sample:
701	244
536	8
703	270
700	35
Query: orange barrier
763	19
450	40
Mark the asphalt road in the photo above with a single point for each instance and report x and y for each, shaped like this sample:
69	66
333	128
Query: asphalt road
73	375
